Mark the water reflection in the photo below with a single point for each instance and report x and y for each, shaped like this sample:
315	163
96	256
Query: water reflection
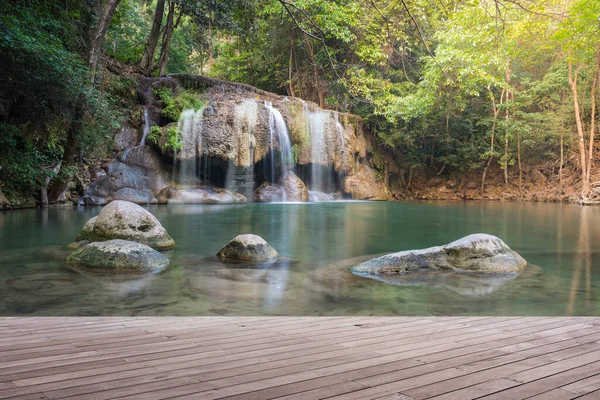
317	243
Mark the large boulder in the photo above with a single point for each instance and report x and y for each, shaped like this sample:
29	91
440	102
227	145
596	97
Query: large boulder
126	138
474	253
141	156
87	230
124	220
208	195
116	256
363	184
295	189
248	247
135	176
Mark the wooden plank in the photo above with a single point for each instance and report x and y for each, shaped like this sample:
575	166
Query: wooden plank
299	357
584	386
555	375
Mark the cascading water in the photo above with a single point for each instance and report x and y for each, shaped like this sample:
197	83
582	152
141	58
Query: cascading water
146	127
341	133
189	127
277	126
318	124
240	177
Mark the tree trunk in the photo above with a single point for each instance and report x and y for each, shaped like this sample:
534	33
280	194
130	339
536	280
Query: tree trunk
316	79
562	151
290	64
588	173
58	186
166	47
519	163
585	184
150	49
496	111
98	34
507	117
45	183
211	49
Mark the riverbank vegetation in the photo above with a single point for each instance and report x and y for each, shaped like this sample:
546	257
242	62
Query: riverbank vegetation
503	87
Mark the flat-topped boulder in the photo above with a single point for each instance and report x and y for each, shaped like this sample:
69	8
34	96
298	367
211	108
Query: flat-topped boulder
128	221
116	256
248	247
474	253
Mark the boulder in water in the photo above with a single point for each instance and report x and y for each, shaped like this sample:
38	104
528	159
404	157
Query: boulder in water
248	247
124	220
294	187
88	228
172	195
474	253
116	256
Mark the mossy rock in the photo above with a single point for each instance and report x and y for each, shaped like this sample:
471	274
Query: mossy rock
116	256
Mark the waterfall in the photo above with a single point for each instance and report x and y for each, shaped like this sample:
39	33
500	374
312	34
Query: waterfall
240	178
277	126
341	133
189	127
146	127
319	126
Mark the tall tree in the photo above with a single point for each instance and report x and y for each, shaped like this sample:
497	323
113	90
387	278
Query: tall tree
99	32
152	42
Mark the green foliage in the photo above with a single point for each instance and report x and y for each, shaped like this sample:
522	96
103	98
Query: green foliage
174	141
173	106
154	134
129	27
22	160
294	151
47	88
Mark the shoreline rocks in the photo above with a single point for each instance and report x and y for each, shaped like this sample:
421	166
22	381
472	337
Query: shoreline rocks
479	253
116	256
248	247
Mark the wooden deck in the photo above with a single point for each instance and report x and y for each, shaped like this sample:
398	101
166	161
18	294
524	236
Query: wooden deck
300	358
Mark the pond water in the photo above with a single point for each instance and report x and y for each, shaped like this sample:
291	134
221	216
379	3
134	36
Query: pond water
317	243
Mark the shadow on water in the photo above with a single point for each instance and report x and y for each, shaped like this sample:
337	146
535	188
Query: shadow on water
317	243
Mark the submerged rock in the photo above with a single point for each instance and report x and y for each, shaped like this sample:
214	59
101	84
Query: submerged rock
172	195
474	253
116	256
248	248
124	220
